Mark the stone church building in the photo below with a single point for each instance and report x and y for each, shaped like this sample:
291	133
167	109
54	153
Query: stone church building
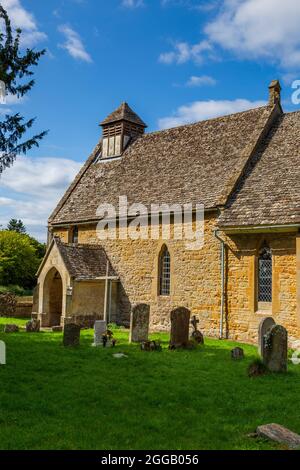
244	168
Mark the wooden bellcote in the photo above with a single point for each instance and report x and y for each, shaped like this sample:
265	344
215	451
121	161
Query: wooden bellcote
118	129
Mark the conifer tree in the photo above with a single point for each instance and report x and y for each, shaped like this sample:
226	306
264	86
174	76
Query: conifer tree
16	75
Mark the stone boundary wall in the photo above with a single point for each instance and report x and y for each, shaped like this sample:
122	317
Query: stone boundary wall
23	308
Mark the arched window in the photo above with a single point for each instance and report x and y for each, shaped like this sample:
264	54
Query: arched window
265	275
74	234
164	271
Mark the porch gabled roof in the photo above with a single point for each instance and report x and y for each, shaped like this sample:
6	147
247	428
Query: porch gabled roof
83	262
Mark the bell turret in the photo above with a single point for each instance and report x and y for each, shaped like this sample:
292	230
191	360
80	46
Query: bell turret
119	128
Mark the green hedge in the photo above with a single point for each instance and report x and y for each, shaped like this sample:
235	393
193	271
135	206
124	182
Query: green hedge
17	290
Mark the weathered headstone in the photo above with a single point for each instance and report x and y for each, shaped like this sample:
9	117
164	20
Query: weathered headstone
33	326
196	336
2	353
264	326
275	353
139	323
71	335
180	320
237	353
279	434
151	346
99	330
11	329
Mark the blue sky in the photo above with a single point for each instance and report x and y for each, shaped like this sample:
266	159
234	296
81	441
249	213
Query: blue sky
174	61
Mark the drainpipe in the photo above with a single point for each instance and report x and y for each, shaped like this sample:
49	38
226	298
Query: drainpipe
106	292
222	249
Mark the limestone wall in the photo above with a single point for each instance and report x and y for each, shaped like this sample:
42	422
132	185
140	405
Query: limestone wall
195	280
195	276
243	311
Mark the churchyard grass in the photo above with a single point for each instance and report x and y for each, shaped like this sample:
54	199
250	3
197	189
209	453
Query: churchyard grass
53	397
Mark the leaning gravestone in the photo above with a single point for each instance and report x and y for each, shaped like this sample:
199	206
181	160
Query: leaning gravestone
279	434
180	320
264	326
33	326
139	323
276	349
71	335
100	328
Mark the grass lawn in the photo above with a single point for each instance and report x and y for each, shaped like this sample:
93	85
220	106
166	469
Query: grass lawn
57	398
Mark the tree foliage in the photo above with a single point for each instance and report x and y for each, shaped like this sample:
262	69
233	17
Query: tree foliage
19	259
14	67
15	225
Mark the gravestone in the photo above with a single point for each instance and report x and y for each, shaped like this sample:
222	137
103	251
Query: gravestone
276	349
237	353
2	353
197	336
151	346
264	326
278	433
99	330
180	320
139	323
11	328
33	326
71	335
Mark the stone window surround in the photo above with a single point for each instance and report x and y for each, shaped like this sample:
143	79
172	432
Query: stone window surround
72	229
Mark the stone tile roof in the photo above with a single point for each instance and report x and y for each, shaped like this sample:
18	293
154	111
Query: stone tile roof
269	192
124	112
197	163
84	261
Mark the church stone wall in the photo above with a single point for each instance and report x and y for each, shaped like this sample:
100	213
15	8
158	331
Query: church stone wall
195	276
243	312
196	280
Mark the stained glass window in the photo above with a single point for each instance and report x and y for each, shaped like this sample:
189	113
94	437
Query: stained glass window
265	275
164	272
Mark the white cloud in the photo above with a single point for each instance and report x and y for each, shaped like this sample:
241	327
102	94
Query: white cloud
10	100
255	29
13	99
191	4
183	52
4	111
31	188
21	18
132	3
195	81
202	110
74	44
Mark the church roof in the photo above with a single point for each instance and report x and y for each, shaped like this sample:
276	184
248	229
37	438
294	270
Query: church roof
269	192
123	113
198	163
